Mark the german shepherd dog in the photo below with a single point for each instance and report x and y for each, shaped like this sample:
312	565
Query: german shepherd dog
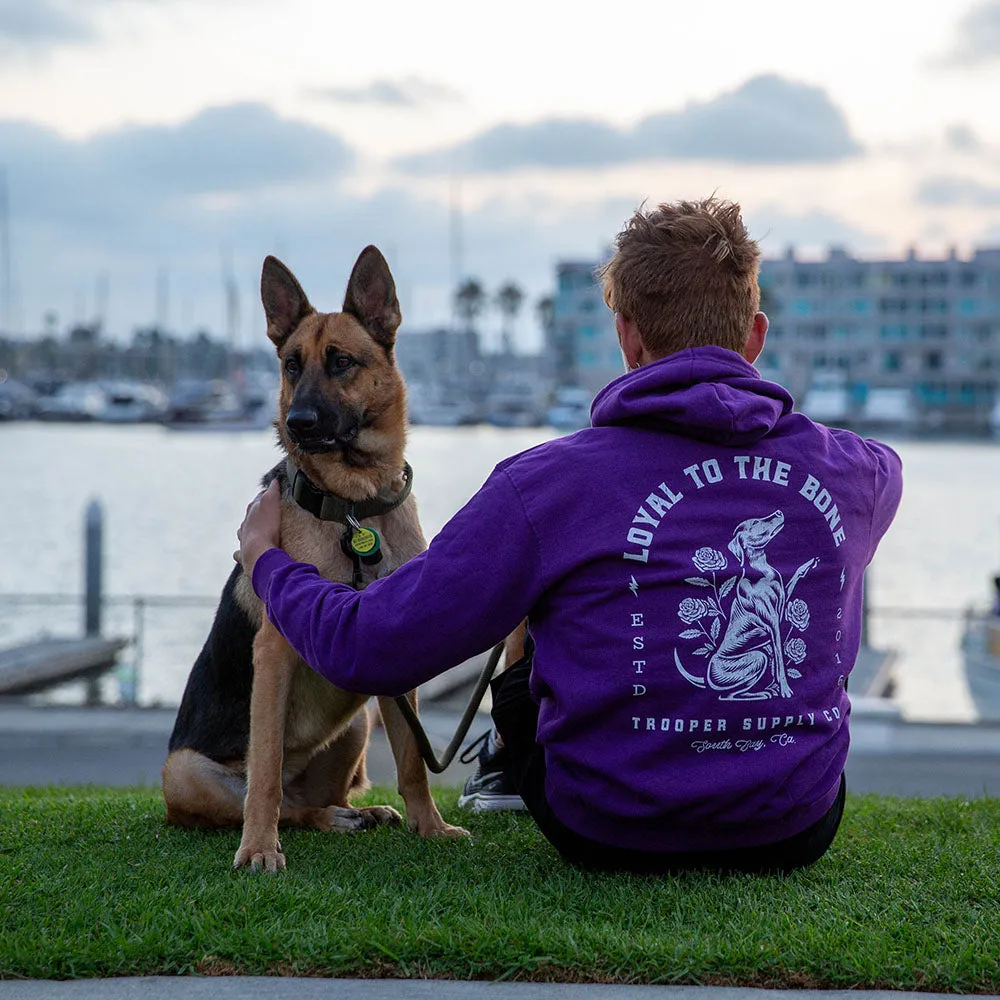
260	739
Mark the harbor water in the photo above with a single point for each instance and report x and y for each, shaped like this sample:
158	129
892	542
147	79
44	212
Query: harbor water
173	500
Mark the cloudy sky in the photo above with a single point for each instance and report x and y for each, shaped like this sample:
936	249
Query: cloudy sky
151	146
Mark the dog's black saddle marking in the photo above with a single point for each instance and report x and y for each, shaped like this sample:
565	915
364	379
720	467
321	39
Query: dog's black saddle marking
214	714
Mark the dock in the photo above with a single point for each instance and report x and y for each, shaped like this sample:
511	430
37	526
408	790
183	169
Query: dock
873	675
45	663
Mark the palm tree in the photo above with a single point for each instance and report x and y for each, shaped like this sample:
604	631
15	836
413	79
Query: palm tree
545	310
509	299
470	300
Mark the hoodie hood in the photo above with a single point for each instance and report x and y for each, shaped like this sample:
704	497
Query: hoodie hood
707	393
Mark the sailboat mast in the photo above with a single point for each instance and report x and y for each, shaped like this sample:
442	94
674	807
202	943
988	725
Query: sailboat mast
455	241
6	293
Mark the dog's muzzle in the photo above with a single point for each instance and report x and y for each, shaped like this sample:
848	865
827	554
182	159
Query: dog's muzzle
313	431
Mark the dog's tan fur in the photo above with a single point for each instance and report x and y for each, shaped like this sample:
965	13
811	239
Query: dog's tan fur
307	737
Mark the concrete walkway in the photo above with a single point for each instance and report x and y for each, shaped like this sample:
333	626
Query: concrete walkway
252	988
109	746
120	746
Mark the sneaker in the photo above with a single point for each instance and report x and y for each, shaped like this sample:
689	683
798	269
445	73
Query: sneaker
489	789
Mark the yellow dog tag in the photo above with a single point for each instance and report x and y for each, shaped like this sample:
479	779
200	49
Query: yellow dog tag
365	542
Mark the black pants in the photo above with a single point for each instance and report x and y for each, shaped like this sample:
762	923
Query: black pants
516	717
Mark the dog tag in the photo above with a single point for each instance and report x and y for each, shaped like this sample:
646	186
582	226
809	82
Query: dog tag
366	545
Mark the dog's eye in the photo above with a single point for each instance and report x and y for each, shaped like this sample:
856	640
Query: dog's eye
292	365
339	363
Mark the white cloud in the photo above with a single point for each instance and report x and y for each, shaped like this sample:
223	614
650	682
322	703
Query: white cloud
953	190
977	37
41	23
410	92
775	229
766	120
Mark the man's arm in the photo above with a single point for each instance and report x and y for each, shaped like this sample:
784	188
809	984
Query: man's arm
475	582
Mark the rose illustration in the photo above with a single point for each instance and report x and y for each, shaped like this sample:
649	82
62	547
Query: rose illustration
691	609
708	559
797	613
795	650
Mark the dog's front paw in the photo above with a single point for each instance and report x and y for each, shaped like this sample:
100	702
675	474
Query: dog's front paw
437	827
260	858
380	816
340	819
455	832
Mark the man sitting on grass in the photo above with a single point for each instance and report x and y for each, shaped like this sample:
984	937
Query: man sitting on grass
691	570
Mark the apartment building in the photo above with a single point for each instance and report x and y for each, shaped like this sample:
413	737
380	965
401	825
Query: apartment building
906	343
914	341
582	347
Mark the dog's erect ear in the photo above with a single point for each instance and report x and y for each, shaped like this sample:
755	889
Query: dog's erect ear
371	296
285	304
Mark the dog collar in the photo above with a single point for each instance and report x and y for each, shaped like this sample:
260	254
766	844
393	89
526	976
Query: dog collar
330	507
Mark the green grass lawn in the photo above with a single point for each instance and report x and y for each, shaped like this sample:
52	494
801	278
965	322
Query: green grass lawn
92	883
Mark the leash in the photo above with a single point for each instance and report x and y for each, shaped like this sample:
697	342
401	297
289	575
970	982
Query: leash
426	750
363	547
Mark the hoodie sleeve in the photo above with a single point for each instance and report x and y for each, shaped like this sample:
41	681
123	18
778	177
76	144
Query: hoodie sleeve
888	490
465	593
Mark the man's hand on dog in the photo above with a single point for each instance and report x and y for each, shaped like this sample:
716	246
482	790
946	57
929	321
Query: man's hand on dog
261	527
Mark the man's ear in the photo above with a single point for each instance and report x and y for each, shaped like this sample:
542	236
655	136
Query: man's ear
630	340
285	304
755	342
371	296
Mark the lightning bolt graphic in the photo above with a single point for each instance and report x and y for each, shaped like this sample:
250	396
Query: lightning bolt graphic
633	586
843	575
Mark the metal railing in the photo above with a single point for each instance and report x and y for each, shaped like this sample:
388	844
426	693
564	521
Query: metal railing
23	618
127	618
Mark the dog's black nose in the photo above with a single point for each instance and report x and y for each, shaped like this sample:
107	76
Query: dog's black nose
302	419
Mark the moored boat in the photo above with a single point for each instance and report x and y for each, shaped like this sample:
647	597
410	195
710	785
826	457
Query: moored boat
570	410
981	661
128	402
73	402
218	405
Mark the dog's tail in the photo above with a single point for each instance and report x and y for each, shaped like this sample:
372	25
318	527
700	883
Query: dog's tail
689	677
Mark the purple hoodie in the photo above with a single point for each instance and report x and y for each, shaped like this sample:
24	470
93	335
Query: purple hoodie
691	566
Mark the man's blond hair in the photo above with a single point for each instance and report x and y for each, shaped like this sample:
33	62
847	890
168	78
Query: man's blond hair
686	272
